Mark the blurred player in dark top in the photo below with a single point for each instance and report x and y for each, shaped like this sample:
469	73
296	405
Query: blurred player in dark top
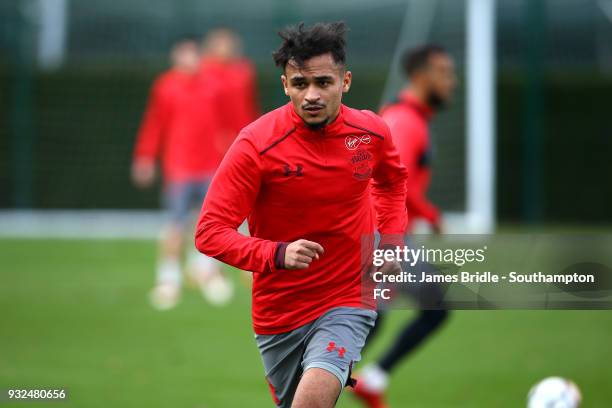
180	129
223	62
431	74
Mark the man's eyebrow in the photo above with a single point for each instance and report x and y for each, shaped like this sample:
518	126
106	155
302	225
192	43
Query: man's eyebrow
301	78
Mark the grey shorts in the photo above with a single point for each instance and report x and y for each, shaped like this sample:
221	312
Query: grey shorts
182	199
332	342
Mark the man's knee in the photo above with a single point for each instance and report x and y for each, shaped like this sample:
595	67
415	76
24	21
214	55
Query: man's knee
171	240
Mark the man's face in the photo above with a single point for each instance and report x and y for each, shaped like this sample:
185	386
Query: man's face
440	79
223	45
186	56
316	88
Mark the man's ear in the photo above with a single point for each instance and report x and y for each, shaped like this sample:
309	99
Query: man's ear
346	81
284	81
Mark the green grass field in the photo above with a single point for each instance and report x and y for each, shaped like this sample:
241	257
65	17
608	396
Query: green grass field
75	315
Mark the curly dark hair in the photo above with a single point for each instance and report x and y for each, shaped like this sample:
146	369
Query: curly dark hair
301	43
416	59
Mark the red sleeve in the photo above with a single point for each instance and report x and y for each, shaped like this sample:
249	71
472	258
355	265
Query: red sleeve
228	202
388	191
151	133
411	141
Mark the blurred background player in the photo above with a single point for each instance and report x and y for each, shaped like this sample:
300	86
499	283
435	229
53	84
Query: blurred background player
180	128
431	75
431	81
223	63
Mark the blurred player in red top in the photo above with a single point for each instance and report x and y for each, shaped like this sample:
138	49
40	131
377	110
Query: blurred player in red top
180	129
431	74
305	175
223	62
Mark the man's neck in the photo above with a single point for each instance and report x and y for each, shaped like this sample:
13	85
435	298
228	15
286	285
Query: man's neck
184	70
419	94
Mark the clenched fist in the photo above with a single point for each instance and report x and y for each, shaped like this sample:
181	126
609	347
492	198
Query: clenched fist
299	254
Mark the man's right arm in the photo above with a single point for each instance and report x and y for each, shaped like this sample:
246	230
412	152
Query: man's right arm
149	139
228	202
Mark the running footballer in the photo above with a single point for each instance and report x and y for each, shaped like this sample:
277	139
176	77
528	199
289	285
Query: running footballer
302	175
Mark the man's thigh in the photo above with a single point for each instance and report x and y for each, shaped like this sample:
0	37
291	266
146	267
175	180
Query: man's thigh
182	199
336	340
317	388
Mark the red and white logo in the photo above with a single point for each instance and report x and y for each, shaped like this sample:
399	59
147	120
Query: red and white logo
353	142
332	347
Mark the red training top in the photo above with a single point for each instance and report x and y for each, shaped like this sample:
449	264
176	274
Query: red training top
296	183
408	120
181	127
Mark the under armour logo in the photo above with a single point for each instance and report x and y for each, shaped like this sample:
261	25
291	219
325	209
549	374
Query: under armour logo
332	346
352	142
297	172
